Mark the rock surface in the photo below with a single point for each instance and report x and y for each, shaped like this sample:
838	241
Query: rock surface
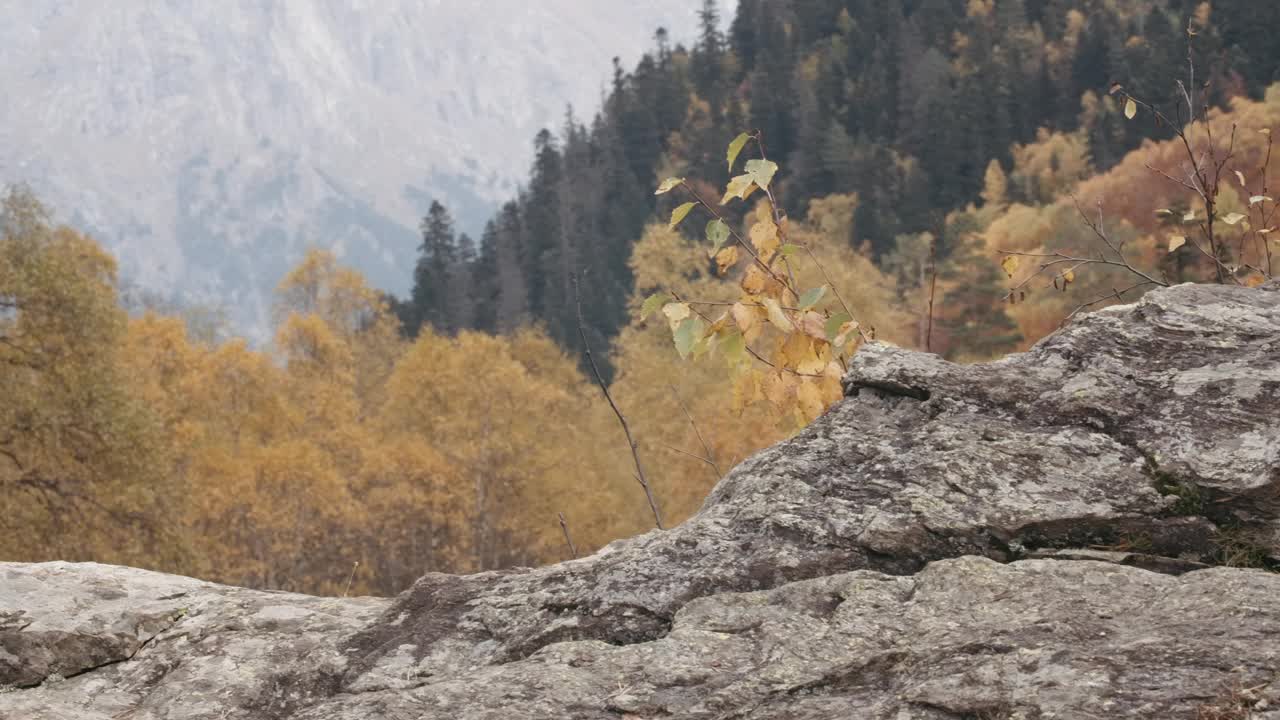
1040	537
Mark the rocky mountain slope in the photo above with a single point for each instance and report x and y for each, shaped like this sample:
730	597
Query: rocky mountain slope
1085	530
208	144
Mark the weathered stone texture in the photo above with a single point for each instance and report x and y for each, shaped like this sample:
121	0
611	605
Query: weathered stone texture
1039	537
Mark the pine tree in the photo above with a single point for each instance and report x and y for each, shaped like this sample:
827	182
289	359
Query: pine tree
484	281
512	300
972	312
430	302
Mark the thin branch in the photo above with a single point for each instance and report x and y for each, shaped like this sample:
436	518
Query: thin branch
693	456
736	236
710	459
351	577
622	420
1059	259
1098	229
675	296
564	527
933	287
777	220
1114	294
1172	179
725	303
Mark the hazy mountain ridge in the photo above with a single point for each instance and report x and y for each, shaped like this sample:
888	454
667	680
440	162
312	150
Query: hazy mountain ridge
209	144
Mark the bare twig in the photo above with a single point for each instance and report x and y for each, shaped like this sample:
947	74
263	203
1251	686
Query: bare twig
564	527
686	453
1056	259
933	287
622	420
1113	295
351	577
708	458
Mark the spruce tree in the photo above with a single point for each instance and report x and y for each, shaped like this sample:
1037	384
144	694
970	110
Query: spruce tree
430	301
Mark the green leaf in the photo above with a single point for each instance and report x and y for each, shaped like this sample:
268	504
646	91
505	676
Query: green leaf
717	233
668	185
761	172
652	303
688	335
734	347
834	323
679	213
738	187
735	147
1130	108
788	250
811	297
1233	218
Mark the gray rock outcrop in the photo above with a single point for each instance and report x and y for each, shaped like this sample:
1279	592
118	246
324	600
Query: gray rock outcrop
1085	530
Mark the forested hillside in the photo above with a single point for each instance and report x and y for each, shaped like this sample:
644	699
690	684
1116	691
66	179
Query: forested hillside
950	176
905	105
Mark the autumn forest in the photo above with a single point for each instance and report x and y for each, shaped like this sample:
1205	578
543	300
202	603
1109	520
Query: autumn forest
956	176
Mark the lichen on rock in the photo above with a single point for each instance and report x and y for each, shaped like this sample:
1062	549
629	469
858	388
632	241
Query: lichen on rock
1048	535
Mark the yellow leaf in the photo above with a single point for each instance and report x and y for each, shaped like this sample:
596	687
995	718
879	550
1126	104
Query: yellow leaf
796	350
832	389
735	147
1254	280
1240	176
833	371
1176	241
779	388
679	214
739	187
811	403
726	259
1069	276
1130	108
746	318
719	323
668	185
812	365
1010	264
676	313
764	235
754	281
814	325
1232	218
777	316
